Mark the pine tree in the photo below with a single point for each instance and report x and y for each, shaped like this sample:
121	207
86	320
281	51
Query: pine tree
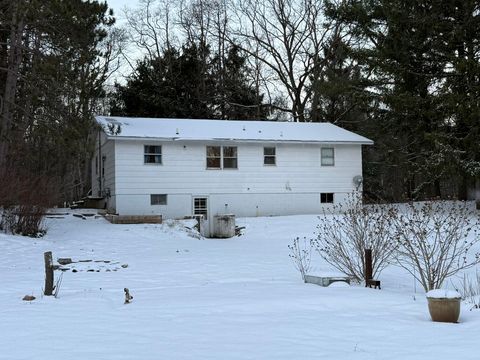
187	83
65	52
397	45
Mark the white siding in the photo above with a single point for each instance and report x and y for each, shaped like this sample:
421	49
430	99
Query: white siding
293	186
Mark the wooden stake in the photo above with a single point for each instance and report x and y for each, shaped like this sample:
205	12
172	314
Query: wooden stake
368	264
48	273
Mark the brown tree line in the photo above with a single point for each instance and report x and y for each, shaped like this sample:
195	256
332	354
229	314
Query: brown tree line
55	57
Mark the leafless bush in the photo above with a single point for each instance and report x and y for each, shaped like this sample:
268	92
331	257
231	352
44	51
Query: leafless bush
24	199
469	289
343	236
434	240
301	255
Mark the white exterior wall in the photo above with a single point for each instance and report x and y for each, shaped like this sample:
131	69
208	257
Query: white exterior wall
106	154
292	186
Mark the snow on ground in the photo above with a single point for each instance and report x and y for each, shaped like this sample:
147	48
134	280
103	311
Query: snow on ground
238	298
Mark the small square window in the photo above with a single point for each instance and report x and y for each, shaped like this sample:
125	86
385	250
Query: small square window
328	156
326	198
269	156
158	199
152	154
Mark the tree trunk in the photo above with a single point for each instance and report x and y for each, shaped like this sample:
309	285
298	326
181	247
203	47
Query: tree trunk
477	193
368	265
14	61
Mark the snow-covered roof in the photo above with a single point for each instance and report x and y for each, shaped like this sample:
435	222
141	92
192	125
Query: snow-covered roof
195	129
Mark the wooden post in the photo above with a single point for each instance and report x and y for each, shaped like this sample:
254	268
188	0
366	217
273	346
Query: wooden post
48	273
368	265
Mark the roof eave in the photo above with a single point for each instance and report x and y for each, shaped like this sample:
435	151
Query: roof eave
147	138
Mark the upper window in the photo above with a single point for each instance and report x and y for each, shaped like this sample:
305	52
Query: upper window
328	156
269	156
222	157
152	154
214	157
230	157
158	199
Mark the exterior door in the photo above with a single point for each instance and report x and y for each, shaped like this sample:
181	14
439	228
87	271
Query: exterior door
200	207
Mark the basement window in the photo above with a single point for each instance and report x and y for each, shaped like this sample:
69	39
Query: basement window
328	156
158	199
326	198
269	157
152	154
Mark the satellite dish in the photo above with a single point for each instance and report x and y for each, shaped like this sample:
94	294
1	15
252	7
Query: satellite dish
358	180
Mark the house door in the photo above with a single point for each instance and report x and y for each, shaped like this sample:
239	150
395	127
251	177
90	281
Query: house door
200	207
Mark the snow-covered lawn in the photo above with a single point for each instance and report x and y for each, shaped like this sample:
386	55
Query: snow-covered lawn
239	298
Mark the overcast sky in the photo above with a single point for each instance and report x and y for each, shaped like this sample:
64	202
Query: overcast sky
118	5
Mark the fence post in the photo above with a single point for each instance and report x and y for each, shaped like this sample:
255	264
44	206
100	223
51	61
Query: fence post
368	265
48	273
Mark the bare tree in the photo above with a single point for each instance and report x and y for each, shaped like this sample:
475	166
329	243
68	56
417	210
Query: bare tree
151	26
343	236
434	240
286	36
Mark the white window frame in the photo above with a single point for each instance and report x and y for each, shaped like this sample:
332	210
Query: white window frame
230	157
155	154
324	159
157	202
222	157
200	210
274	156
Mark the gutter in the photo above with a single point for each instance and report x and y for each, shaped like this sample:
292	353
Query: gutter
146	138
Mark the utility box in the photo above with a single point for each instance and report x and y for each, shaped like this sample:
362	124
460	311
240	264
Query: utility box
223	226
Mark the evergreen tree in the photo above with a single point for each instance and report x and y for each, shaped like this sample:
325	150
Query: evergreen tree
189	84
397	44
235	97
57	61
336	96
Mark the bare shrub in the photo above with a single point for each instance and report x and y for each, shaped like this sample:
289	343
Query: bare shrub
24	199
469	289
343	236
301	255
434	240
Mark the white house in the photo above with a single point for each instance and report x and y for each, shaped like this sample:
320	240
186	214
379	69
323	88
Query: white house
181	167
